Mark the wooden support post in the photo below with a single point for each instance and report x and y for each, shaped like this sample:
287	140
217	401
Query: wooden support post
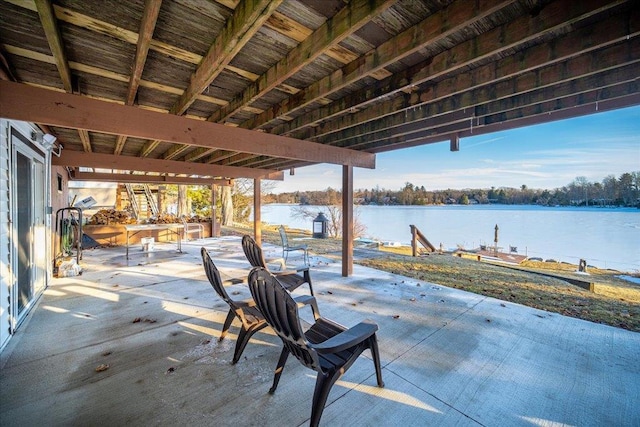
214	224
347	220
257	220
414	241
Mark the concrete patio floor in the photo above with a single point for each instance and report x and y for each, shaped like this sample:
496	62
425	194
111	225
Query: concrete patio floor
449	357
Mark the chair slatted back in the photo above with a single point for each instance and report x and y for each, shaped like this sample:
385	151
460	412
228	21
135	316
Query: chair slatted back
281	313
283	237
253	252
214	276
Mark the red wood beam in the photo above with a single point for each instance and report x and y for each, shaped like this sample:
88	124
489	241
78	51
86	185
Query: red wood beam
257	217
32	104
347	221
111	161
147	179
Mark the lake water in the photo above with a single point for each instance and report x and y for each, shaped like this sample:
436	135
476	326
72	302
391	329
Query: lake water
605	237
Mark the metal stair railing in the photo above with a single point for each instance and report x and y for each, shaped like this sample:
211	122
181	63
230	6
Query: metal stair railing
151	202
133	200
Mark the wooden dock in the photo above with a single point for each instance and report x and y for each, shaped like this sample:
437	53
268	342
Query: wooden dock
491	255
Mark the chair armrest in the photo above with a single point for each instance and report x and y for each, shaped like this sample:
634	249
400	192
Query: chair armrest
309	300
302	269
296	248
278	261
348	338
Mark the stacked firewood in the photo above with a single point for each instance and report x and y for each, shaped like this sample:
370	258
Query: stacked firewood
111	216
198	218
164	219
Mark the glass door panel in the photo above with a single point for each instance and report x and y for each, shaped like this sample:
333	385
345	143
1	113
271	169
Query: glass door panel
24	218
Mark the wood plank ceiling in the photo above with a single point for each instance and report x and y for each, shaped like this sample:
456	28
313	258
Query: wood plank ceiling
250	88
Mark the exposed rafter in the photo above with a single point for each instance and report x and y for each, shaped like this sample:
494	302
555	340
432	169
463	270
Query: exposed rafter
559	16
50	27
298	82
147	26
247	18
347	21
433	30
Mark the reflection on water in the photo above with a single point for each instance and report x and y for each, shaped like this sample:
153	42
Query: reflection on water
606	238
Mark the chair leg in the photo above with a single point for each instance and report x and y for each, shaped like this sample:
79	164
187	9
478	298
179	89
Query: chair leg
227	324
307	278
375	354
243	339
279	368
324	382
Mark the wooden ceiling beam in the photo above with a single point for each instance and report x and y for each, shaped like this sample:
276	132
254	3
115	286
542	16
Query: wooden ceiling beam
132	163
95	71
145	35
346	22
23	102
433	30
526	107
559	16
52	32
174	151
534	115
73	17
120	141
246	20
86	140
482	103
147	179
236	159
219	155
459	93
197	154
618	87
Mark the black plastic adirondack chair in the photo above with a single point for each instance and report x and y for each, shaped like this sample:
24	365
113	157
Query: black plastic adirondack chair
289	279
326	347
286	247
250	317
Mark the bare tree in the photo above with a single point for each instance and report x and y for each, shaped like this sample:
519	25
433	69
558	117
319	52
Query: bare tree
182	200
227	206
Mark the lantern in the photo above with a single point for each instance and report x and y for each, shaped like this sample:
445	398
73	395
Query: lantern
320	226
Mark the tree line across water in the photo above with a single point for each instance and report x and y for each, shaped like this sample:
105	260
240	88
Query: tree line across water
611	191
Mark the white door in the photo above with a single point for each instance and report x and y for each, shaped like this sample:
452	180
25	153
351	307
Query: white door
29	233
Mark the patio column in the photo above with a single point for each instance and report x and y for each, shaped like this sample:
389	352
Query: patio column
214	230
347	220
257	220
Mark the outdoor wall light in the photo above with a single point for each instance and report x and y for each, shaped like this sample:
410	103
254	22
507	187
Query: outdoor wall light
48	141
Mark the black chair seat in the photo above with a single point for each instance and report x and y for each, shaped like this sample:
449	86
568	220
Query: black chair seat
326	347
250	317
286	247
289	279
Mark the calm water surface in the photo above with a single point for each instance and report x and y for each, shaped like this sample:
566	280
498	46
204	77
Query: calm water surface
605	237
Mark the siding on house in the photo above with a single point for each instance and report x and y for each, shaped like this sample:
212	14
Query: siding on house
6	276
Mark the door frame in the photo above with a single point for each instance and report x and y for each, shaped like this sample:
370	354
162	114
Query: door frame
39	253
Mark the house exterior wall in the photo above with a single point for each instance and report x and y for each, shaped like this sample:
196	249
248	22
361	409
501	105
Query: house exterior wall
6	279
9	321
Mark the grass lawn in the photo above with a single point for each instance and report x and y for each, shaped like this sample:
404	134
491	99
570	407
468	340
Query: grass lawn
614	302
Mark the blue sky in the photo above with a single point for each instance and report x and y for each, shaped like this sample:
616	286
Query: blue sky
547	156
